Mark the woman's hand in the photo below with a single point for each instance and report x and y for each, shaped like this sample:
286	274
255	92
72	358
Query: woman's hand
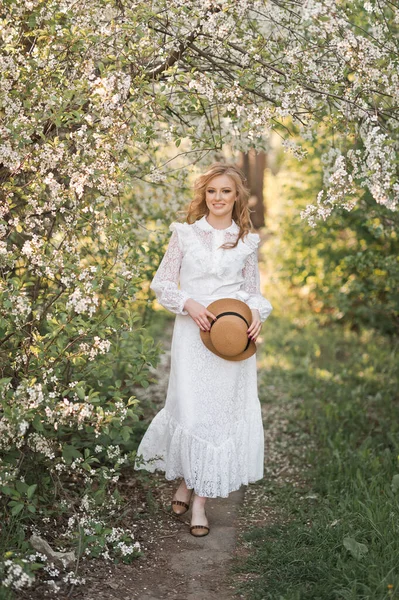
199	313
256	325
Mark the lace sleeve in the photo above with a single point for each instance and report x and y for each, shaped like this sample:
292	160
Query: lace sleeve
165	281
251	286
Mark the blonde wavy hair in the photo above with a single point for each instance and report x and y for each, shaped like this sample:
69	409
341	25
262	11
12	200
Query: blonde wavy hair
241	212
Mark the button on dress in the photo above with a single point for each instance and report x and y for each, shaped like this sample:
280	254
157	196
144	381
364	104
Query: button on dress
210	429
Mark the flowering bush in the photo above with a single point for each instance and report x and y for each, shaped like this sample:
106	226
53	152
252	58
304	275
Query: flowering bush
99	540
346	267
102	107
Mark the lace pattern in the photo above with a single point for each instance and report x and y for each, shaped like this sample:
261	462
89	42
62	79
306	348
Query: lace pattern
210	430
251	285
165	281
212	471
207	237
195	258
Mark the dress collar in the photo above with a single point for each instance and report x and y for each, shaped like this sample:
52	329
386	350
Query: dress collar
203	224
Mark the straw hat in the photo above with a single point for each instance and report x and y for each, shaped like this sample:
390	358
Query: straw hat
228	336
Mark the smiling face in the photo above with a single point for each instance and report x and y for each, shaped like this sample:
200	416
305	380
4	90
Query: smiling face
220	194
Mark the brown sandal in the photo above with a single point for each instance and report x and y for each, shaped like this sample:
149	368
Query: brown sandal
199	527
205	529
181	503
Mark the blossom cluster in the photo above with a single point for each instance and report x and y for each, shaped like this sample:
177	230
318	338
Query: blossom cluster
15	575
115	541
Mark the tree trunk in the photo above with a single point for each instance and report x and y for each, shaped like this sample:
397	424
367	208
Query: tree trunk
253	165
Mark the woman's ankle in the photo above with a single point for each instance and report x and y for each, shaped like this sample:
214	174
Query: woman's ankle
199	500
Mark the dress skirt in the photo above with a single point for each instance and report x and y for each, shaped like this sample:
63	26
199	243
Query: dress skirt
210	430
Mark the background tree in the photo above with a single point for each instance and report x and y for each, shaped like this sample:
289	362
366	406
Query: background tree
253	164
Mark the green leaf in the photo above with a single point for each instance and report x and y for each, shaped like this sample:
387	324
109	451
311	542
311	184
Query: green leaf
70	452
37	423
126	433
356	549
4	489
31	490
21	486
113	434
80	392
17	509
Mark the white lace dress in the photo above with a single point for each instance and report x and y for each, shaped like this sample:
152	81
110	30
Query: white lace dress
210	430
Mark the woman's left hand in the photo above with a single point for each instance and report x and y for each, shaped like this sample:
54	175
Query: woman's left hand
256	325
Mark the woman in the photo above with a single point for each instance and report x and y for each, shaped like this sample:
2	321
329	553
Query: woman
210	430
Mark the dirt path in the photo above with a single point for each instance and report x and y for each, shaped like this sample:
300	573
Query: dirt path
195	568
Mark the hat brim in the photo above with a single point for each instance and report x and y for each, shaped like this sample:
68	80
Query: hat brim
224	305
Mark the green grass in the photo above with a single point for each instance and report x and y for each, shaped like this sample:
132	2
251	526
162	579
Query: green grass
338	390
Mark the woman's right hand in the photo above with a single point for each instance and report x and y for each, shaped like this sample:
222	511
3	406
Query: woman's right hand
199	313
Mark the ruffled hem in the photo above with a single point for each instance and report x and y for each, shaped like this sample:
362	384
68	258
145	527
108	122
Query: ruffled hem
212	471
